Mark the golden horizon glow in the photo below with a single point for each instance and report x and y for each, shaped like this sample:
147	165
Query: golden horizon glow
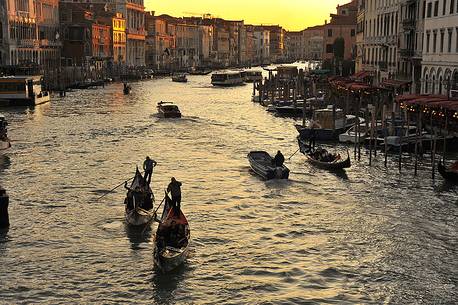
296	15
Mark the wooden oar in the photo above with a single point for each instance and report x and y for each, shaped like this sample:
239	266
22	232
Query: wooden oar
113	189
154	215
293	154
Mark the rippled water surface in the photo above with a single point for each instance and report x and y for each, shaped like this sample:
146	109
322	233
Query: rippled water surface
371	235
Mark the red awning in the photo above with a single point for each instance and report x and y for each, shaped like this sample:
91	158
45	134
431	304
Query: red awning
395	83
362	75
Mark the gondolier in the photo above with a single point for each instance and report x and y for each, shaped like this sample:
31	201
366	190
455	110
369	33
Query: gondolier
279	159
175	188
148	166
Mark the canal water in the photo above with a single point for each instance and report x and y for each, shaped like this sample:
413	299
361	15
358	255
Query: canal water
368	236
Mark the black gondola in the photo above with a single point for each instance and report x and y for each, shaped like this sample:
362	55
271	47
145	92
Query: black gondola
334	162
262	164
139	202
447	173
127	89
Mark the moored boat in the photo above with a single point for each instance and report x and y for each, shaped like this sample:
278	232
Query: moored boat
22	91
171	242
127	89
262	164
322	158
168	110
227	79
4	140
139	202
180	78
448	173
200	71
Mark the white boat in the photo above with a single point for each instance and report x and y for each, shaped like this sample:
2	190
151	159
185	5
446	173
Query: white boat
22	91
351	136
4	140
409	136
180	78
227	79
253	76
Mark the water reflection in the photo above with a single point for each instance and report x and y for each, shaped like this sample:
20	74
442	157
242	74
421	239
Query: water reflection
5	162
138	235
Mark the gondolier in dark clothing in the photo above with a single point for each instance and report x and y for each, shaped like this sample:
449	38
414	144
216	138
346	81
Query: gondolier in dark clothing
148	166
175	188
279	159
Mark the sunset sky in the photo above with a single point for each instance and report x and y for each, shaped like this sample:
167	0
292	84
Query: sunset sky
291	14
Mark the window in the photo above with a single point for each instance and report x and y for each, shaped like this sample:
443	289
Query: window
443	7
452	6
436	8
449	45
329	32
352	33
430	9
442	41
435	42
329	48
428	36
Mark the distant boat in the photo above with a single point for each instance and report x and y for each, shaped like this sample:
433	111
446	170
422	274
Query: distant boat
227	79
331	161
262	164
4	140
199	71
450	173
180	78
127	89
168	110
139	202
253	76
171	248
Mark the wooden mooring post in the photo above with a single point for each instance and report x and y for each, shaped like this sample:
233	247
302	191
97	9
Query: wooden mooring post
4	201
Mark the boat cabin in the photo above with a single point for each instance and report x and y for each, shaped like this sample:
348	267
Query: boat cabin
253	76
22	91
325	118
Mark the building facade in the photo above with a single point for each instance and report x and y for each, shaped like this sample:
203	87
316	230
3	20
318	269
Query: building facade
294	45
440	47
261	45
313	43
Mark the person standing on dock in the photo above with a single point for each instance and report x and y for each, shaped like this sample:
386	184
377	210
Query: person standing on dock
148	166
175	188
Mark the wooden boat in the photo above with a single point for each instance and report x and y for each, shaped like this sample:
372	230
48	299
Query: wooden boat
168	110
180	78
171	249
139	202
334	162
448	174
4	140
262	164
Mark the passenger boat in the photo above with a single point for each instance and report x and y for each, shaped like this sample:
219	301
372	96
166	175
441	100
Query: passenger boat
139	202
171	242
180	78
450	173
262	164
227	79
4	140
288	108
324	128
253	76
22	91
168	110
330	161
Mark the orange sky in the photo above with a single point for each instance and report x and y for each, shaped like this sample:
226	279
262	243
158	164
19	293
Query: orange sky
291	14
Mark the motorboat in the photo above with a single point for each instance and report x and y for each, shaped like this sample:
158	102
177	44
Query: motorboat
22	91
227	79
168	110
263	165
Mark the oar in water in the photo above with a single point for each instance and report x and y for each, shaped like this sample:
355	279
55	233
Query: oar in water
154	215
293	154
113	189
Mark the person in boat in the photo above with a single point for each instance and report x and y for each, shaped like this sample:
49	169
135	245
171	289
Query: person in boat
175	189
279	159
148	166
131	193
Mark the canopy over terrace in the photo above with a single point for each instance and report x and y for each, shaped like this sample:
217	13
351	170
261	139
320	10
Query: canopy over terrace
344	85
440	108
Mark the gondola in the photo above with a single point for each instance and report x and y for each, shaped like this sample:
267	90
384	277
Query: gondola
336	164
139	202
447	173
127	89
262	164
171	242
